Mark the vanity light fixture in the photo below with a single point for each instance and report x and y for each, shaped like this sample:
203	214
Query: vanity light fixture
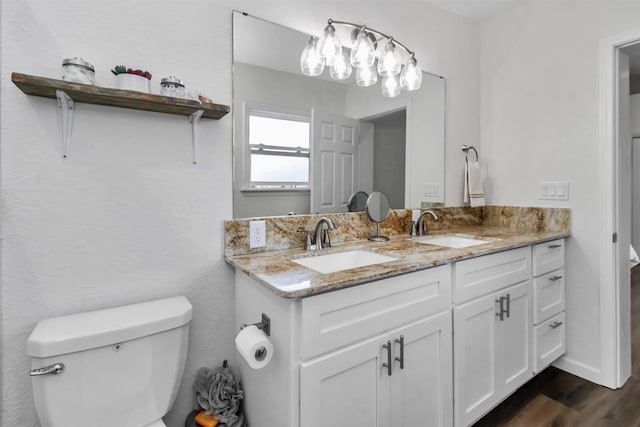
327	50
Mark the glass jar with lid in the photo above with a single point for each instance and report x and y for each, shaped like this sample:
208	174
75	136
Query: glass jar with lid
77	70
172	86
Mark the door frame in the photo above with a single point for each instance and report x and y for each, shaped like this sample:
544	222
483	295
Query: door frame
615	361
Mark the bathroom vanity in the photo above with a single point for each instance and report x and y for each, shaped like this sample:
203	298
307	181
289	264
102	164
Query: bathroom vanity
508	325
397	343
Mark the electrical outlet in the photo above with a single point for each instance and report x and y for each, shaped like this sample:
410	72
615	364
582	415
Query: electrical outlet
257	234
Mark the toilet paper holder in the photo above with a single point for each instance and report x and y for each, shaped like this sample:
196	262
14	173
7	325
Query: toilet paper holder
265	325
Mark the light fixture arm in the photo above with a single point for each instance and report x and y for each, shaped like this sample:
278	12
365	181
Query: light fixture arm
364	56
371	30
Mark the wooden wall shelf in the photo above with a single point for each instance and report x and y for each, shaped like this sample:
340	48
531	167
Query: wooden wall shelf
90	94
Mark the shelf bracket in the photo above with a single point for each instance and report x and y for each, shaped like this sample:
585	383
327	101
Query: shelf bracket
194	119
65	120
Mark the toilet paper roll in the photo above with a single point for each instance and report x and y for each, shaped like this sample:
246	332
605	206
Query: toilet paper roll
254	346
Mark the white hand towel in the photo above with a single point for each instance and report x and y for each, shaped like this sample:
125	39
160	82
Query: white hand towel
473	180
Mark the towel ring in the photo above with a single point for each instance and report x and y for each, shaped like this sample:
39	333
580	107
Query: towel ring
466	149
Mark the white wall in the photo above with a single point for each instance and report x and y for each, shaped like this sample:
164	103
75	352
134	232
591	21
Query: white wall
426	161
540	116
127	217
634	114
634	118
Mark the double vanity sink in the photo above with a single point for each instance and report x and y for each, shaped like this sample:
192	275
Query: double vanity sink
350	259
420	342
299	273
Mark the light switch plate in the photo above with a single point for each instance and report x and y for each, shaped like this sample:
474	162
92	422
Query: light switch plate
257	234
553	190
429	189
562	190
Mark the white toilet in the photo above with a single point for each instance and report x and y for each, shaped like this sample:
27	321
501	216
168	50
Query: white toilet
119	367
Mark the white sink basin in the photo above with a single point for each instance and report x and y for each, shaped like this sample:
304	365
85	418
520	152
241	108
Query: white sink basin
451	241
339	261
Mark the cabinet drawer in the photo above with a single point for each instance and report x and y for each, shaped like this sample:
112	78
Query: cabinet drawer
549	342
482	275
548	295
548	256
336	319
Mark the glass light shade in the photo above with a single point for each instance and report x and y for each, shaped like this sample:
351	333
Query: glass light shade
389	62
366	76
363	53
391	86
411	75
329	45
311	63
341	67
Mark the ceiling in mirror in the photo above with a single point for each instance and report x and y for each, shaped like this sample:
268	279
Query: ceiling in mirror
358	139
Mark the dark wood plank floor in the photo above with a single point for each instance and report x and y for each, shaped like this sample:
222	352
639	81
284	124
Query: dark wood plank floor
555	398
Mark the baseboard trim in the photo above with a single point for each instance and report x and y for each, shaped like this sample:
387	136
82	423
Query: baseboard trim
580	369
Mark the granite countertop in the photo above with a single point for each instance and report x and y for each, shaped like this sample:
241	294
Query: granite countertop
276	271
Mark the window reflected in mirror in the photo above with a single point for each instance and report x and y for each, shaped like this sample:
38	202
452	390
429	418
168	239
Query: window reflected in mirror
279	145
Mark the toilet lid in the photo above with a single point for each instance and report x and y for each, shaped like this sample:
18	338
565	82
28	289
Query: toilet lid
83	331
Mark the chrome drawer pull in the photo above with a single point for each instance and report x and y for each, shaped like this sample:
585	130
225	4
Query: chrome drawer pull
508	305
500	314
555	278
48	370
387	365
555	246
555	325
401	358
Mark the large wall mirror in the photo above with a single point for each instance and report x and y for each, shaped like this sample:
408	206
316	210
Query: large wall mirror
306	144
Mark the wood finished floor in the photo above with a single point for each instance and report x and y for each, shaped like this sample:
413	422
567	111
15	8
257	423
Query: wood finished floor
555	398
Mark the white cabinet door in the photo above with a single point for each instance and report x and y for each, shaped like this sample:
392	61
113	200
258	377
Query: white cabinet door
353	388
514	339
421	390
348	388
492	350
474	359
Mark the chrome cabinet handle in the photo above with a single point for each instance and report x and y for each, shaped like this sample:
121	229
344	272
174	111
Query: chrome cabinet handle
47	370
555	278
500	314
555	325
556	246
508	298
401	358
387	365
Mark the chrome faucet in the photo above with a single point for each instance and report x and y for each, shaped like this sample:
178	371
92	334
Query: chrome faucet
321	236
421	223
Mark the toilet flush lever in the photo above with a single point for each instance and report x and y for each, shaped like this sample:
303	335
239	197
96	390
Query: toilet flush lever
54	369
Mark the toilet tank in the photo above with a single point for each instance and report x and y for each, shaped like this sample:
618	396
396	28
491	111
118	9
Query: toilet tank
122	366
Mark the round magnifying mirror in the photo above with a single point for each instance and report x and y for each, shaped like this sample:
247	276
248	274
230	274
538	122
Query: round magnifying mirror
358	201
378	208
